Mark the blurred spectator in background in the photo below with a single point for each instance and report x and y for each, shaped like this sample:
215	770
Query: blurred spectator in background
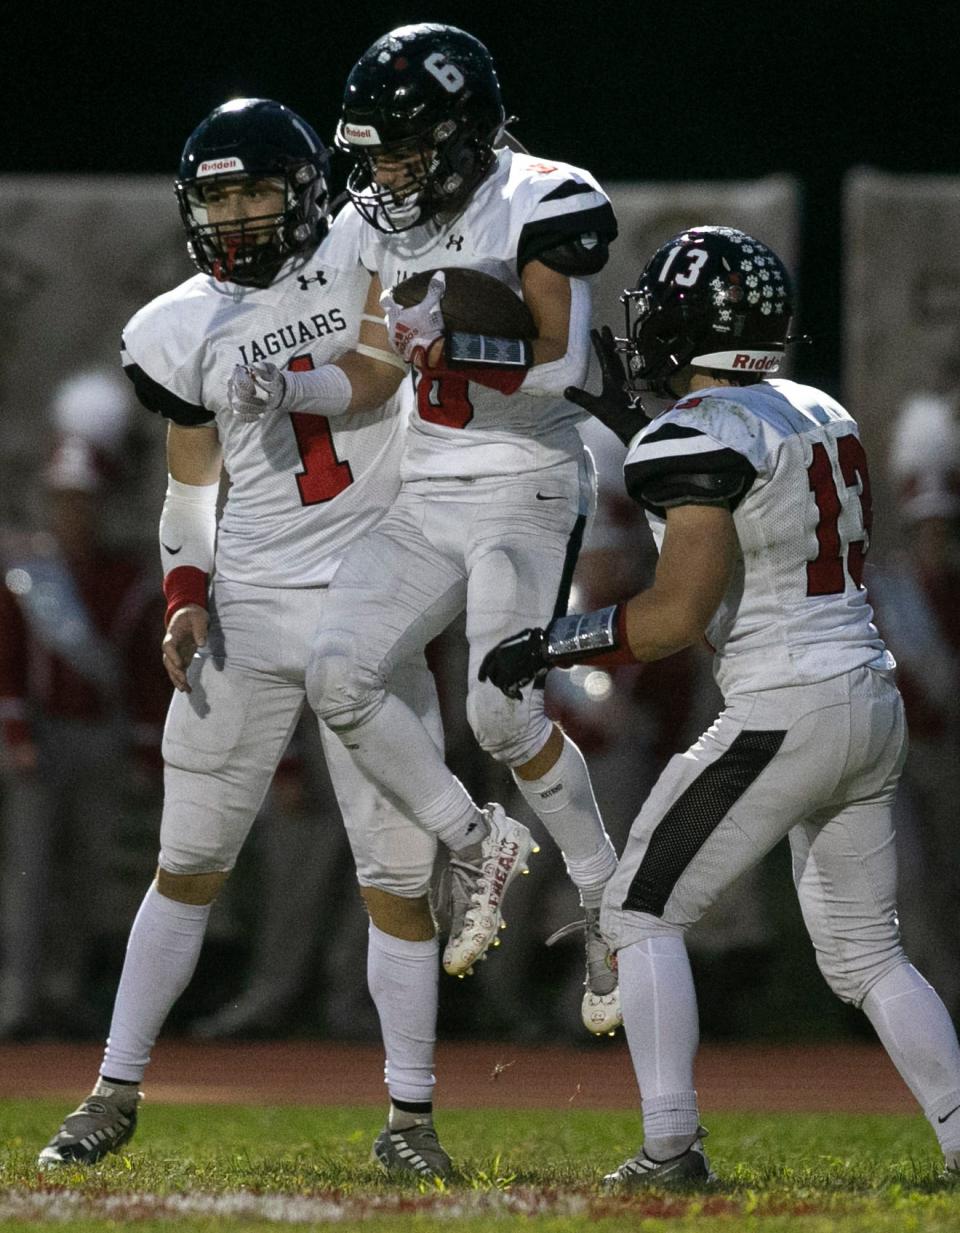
77	697
918	612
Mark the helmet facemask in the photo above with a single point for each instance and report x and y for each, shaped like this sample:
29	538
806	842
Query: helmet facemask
658	341
443	166
250	250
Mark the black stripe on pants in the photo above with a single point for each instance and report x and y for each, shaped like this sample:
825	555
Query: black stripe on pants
574	544
694	816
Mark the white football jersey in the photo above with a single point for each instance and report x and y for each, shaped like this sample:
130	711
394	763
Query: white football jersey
796	611
459	428
302	486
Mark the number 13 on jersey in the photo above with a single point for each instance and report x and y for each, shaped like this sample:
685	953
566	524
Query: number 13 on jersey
825	573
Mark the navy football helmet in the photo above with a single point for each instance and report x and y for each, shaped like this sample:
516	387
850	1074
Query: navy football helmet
427	97
711	297
253	139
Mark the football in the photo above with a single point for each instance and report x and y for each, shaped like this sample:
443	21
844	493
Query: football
473	302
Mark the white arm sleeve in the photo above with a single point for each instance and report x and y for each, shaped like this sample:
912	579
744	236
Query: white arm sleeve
323	391
188	525
549	380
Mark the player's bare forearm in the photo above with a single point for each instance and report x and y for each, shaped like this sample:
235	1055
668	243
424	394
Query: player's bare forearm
372	381
696	565
547	295
375	372
560	307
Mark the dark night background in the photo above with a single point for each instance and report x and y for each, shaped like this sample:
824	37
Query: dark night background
644	91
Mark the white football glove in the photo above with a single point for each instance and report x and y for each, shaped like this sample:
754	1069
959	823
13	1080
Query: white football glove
420	325
254	389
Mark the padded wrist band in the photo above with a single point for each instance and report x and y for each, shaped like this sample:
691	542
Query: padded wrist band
184	585
465	350
500	364
598	638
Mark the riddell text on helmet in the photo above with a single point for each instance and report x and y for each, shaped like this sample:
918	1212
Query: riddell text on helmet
756	363
217	166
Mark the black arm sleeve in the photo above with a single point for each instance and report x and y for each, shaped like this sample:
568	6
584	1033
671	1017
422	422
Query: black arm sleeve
156	397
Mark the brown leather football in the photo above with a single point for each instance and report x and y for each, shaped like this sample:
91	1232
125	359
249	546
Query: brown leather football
474	302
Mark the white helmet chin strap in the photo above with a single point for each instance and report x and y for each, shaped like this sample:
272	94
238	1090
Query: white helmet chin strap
741	361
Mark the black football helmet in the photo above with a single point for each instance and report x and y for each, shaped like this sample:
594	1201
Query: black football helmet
711	297
428	93
252	139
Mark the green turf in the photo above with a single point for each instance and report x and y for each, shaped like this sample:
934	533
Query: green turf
215	1167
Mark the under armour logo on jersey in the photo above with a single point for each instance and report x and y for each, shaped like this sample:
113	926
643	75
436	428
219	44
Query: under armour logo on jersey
319	277
455	241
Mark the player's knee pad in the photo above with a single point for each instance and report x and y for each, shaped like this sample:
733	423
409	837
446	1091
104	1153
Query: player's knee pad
343	690
510	732
852	971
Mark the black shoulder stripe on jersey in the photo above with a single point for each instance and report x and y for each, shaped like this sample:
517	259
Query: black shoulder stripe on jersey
569	188
717	477
695	815
559	242
156	397
672	432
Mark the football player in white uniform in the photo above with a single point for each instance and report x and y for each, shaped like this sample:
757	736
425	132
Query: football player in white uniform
758	494
496	483
275	280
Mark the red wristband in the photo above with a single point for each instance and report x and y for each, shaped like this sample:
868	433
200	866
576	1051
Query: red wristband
184	585
503	380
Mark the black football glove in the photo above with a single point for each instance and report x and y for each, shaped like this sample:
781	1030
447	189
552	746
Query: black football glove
621	411
516	661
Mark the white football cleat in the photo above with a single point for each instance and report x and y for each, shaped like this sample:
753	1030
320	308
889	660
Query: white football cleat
600	1008
476	890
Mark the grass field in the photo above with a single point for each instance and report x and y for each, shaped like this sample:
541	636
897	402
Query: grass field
239	1168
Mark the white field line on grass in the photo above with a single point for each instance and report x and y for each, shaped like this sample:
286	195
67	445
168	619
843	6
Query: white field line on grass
69	1205
58	1205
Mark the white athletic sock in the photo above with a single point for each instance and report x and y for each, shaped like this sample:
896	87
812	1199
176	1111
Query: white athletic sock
670	1124
563	800
659	1015
161	957
402	978
395	750
917	1032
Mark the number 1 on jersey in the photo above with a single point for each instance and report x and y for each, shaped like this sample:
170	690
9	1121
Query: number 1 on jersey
825	574
323	476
